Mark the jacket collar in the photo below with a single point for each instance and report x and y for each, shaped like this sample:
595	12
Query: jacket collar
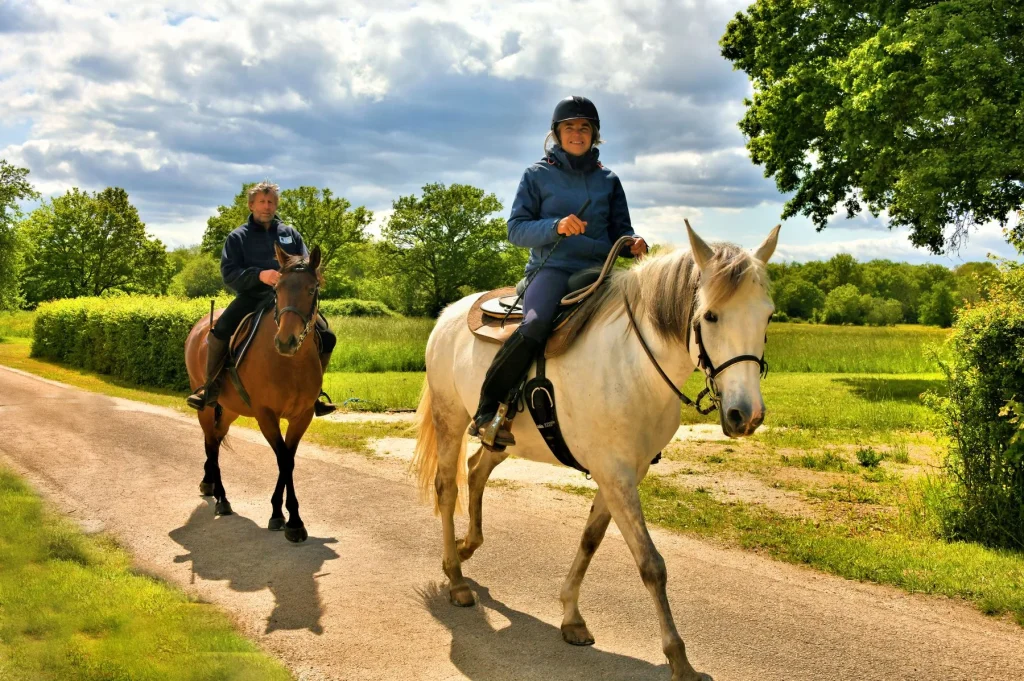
258	227
586	163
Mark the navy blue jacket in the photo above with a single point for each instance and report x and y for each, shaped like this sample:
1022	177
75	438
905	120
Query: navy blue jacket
249	250
549	191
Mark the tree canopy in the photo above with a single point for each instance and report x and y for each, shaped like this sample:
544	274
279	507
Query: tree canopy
82	244
14	187
913	107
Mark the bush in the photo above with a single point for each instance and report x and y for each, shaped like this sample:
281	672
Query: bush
868	457
351	307
885	312
846	305
199	278
140	339
981	416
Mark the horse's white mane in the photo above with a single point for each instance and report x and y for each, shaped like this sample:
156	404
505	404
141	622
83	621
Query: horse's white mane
671	290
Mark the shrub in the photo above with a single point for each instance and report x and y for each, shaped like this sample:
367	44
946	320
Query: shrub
981	416
845	305
885	312
199	278
868	457
352	307
140	339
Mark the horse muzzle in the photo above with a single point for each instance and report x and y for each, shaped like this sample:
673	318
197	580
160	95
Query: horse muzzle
288	347
740	419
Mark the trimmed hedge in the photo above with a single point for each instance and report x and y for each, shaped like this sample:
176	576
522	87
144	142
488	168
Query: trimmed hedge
140	339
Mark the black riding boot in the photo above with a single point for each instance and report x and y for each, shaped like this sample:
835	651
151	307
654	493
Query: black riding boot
206	394
325	407
506	371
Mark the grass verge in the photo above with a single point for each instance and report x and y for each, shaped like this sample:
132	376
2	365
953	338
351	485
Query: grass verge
73	609
988	578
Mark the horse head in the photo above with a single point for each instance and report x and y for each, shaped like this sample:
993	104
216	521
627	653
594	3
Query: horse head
730	326
298	292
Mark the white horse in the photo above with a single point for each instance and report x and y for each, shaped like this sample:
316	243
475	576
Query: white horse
616	410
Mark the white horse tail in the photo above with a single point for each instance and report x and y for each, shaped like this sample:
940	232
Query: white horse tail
424	460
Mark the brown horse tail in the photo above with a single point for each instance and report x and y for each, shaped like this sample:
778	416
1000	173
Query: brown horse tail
424	460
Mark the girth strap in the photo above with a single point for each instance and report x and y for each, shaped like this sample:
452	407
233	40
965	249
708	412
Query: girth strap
540	400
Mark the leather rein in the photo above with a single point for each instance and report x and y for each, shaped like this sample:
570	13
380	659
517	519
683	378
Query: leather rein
710	390
307	320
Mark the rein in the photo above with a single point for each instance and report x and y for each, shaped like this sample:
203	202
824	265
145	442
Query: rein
710	390
307	320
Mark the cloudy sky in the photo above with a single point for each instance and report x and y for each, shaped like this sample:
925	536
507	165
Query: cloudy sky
180	106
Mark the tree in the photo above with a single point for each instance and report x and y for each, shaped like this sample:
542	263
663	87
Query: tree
329	222
797	297
846	305
85	245
444	243
974	280
911	107
198	276
938	308
884	312
842	269
14	187
225	221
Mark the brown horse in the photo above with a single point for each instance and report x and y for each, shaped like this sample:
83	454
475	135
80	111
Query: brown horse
282	376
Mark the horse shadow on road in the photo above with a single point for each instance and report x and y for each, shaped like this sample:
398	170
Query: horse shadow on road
526	648
252	558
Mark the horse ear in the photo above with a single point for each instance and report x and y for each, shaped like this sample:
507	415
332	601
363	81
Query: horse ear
702	253
282	256
314	259
765	250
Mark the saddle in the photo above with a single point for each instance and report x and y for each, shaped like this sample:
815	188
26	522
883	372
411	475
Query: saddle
496	314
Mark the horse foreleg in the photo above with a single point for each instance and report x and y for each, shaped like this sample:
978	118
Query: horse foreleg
270	426
480	466
295	530
620	492
574	628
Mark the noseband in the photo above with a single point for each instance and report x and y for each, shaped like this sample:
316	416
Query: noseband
307	320
710	390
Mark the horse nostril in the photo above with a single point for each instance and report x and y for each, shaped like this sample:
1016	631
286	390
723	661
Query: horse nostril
735	418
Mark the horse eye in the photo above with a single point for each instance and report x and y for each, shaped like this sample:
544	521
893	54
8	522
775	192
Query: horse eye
710	317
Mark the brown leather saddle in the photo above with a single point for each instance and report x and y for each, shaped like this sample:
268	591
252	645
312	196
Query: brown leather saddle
494	316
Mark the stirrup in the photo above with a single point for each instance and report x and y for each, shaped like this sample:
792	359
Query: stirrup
200	401
496	433
324	408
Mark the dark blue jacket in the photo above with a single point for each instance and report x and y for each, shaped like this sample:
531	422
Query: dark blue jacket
550	190
249	250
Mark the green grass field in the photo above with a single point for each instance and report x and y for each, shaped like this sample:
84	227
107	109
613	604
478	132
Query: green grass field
72	607
16	324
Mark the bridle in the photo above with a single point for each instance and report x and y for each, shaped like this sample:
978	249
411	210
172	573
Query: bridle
710	390
307	320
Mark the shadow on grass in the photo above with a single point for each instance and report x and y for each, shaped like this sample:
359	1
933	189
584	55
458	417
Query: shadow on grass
895	389
252	558
527	649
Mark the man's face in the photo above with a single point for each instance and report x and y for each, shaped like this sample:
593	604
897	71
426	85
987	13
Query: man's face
263	206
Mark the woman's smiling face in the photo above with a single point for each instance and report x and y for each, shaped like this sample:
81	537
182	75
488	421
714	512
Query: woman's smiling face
576	135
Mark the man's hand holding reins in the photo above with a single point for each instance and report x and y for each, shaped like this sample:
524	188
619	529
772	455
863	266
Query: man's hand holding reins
571	225
270	277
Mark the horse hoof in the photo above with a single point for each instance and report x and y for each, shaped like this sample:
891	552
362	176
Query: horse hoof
206	489
296	535
577	635
223	508
462	596
276	524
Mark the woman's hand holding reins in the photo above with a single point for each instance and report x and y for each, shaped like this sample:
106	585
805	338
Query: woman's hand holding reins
638	247
571	225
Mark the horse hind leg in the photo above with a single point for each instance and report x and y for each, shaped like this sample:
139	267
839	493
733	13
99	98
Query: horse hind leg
450	449
480	466
574	628
215	426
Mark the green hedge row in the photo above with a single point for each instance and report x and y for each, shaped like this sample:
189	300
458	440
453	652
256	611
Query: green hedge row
140	339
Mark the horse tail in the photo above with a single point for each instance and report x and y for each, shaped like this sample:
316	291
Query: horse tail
424	460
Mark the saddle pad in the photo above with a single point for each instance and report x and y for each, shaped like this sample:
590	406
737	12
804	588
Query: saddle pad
488	328
499	307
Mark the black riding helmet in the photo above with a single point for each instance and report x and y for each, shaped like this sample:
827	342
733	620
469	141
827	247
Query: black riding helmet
575	107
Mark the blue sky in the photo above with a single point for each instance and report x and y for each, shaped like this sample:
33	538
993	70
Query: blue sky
181	105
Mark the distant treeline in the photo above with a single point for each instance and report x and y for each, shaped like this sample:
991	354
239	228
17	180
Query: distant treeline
878	292
433	249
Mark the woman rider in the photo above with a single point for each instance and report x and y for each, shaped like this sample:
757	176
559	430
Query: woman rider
543	217
249	266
